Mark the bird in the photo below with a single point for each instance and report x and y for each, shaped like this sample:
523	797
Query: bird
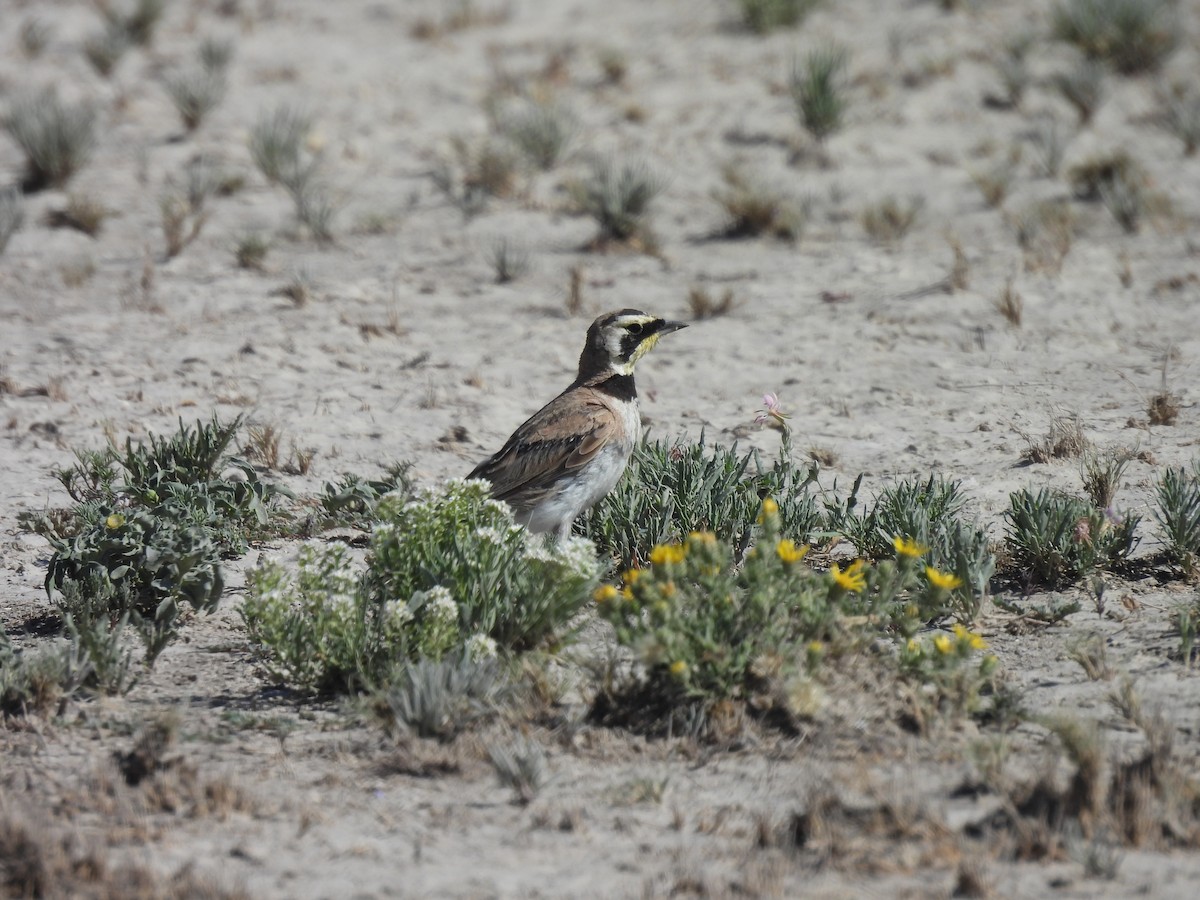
573	451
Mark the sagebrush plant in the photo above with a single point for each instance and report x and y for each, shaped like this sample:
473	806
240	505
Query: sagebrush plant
673	488
541	131
618	196
706	630
56	138
1131	35
818	90
1057	537
1178	514
447	572
440	698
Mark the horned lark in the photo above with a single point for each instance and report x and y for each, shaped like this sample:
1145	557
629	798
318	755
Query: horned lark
572	451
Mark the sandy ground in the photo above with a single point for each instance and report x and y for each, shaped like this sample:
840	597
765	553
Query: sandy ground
407	336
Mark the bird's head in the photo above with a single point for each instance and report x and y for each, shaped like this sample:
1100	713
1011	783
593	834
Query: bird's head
617	340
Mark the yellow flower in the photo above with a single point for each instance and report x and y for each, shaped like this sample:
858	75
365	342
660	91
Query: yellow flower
769	508
679	668
789	552
946	581
970	638
630	576
703	537
851	578
664	554
604	593
909	547
944	643
114	521
669	590
914	646
815	648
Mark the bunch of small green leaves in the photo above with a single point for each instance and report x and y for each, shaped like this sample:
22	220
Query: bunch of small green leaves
949	670
352	499
671	490
1178	513
36	681
929	513
1056	537
449	572
706	630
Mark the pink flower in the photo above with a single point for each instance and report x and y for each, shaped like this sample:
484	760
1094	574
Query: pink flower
772	415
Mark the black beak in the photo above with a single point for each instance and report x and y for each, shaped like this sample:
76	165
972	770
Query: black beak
667	327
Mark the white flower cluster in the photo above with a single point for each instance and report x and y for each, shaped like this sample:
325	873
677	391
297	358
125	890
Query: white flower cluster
490	535
579	555
480	647
397	613
440	605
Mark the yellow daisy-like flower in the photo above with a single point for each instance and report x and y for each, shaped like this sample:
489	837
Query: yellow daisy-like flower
816	647
851	578
946	581
114	521
605	593
909	547
669	590
914	646
970	638
667	553
703	537
630	576
789	552
769	508
943	643
679	668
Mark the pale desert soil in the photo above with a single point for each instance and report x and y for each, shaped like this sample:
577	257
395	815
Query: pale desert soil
407	336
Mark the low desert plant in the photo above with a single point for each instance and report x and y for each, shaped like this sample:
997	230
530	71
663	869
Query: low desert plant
763	16
449	572
753	209
105	48
33	36
951	671
1010	304
182	222
542	132
1045	232
476	171
440	698
316	207
1055	537
1083	86
277	145
12	214
618	196
1101	471
1013	68
509	259
1064	440
1049	143
37	681
137	20
1181	115
215	54
82	212
704	305
57	138
195	92
1178	514
251	250
1091	177
1131	35
352	499
520	765
890	219
818	90
994	182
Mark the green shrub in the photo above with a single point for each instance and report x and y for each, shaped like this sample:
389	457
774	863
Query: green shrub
1178	514
619	197
1131	35
951	671
36	681
1056	537
57	139
447	572
706	630
818	91
352	499
440	698
670	490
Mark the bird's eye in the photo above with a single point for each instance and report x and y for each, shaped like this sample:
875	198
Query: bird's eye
634	328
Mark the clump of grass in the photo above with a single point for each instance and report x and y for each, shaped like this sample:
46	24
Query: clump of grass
12	214
542	132
1056	537
277	142
137	20
1049	142
1181	115
1178	514
704	305
889	220
1064	440
82	212
753	209
476	172
618	196
195	92
57	138
1045	232
1013	68
763	16
818	91
1132	36
1101	471
1010	304
520	765
105	48
509	259
37	682
316	208
994	183
251	251
299	288
215	54
1083	87
182	221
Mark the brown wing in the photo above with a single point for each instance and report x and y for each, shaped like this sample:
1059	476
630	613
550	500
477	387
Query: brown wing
561	437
